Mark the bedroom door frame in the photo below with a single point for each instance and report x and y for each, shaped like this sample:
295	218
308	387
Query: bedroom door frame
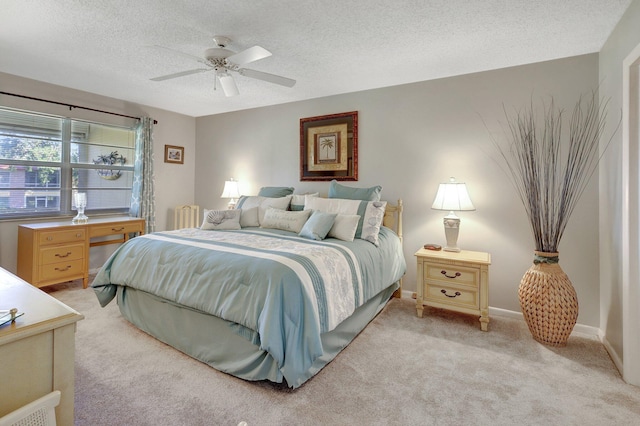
631	217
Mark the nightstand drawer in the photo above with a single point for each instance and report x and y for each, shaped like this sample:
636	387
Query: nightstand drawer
451	274
115	229
455	296
55	271
56	237
61	253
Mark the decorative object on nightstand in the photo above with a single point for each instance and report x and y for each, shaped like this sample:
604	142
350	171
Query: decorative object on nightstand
452	196
549	185
231	191
80	202
458	281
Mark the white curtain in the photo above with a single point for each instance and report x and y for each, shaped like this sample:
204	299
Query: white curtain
142	195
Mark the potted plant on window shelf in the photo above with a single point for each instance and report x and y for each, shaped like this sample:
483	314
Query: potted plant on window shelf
549	182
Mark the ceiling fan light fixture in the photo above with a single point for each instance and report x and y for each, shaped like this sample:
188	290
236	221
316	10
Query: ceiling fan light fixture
228	84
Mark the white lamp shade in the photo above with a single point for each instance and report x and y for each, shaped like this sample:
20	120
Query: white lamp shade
230	189
452	196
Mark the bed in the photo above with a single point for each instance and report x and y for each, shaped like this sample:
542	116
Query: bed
257	302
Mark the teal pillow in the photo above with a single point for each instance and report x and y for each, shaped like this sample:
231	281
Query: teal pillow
318	225
275	191
348	193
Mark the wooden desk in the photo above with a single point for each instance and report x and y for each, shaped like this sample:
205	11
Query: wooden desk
37	351
55	252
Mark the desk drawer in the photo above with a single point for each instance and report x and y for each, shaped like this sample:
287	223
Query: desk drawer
452	275
48	238
61	253
56	271
456	296
115	229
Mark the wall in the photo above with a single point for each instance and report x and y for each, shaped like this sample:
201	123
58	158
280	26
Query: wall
624	38
174	183
411	138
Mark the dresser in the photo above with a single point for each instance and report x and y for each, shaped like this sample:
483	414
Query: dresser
55	252
454	281
37	351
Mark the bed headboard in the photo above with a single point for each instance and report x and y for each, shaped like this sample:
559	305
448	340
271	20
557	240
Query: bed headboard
393	217
393	220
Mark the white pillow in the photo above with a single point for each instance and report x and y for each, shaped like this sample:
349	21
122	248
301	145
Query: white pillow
344	227
221	219
371	213
285	220
249	217
297	200
262	203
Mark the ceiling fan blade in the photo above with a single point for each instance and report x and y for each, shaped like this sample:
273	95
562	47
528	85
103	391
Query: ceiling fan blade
181	74
271	78
249	55
187	55
228	85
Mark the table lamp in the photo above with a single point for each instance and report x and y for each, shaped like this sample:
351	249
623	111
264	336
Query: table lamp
452	196
231	191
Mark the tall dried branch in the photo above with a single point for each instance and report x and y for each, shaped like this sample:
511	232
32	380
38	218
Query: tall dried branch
549	182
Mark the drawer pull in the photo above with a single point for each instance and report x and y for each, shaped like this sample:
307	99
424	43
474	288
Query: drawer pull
456	294
443	272
78	235
49	238
63	269
117	230
63	255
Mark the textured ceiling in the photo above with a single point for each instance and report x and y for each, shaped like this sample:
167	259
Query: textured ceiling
109	47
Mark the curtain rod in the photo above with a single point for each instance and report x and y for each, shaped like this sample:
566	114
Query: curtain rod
72	106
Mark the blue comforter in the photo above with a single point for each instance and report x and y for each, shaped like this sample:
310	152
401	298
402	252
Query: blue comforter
283	291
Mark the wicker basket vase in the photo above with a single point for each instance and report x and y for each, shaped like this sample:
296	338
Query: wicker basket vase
548	300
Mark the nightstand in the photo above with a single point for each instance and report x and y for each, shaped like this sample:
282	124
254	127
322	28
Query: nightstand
454	281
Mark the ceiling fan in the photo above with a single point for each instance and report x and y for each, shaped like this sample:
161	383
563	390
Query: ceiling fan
224	61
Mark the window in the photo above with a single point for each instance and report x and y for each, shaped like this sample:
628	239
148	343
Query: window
44	160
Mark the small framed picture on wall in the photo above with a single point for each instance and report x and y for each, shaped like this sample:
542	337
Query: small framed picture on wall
174	154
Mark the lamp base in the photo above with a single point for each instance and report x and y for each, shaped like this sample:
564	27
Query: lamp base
451	230
80	219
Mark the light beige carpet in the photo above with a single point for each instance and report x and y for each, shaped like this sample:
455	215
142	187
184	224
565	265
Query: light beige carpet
401	370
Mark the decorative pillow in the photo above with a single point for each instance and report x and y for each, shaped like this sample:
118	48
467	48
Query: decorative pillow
371	213
348	193
285	220
318	225
221	219
344	227
275	191
262	203
297	201
249	217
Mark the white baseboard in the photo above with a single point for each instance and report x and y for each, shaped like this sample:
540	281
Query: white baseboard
579	329
612	353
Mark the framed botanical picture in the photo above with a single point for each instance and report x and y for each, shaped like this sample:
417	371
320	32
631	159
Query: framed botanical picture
329	147
174	154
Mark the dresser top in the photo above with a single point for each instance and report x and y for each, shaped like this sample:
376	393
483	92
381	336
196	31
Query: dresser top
41	311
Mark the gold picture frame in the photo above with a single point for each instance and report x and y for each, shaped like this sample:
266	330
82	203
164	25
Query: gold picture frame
329	147
174	154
